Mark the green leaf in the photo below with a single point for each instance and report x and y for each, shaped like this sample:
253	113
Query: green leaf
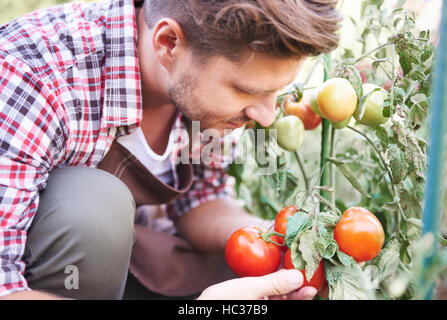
398	164
325	243
388	259
348	54
266	201
295	254
310	253
328	220
290	187
344	169
382	134
347	283
298	89
345	259
295	224
353	75
415	157
377	62
282	180
400	133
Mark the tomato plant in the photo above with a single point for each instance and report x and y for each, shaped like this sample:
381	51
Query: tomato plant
359	234
370	153
318	280
248	254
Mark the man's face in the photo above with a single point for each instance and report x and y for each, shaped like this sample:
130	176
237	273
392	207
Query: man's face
224	94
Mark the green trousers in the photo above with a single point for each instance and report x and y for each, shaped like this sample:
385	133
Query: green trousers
81	238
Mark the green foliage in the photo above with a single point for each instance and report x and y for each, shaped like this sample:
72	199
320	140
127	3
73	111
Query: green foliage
10	9
387	171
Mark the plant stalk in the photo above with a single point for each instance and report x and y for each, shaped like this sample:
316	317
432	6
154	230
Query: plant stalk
325	142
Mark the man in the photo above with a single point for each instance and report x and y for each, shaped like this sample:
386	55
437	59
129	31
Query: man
75	79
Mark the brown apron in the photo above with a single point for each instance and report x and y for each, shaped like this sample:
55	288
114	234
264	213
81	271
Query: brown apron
164	263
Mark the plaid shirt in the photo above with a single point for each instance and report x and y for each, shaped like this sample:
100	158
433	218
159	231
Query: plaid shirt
69	85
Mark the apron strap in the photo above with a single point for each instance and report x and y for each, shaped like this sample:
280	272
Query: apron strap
146	188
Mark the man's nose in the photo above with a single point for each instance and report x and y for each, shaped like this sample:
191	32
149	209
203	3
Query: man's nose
263	112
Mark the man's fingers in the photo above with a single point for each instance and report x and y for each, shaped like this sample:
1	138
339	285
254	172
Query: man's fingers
278	283
305	293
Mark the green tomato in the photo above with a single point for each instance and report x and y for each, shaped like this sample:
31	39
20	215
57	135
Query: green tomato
341	124
313	103
290	132
373	106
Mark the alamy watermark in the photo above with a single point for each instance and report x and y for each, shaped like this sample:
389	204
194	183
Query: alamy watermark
210	146
72	280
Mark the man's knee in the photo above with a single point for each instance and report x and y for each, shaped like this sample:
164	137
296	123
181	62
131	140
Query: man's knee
85	219
90	201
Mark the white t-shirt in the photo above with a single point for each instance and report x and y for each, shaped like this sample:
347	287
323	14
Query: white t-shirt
159	165
151	216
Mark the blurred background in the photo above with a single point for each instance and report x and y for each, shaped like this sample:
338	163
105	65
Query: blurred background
10	9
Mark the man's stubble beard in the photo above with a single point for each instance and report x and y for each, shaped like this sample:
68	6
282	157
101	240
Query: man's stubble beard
181	93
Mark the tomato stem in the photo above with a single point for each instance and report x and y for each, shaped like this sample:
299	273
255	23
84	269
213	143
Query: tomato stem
332	166
390	175
365	55
303	171
325	177
266	237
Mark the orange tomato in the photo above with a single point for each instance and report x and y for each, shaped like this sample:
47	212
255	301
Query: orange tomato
359	234
336	99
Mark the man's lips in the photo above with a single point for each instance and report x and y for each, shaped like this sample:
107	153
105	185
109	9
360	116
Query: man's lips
235	124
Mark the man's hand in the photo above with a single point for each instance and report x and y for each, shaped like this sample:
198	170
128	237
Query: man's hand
283	284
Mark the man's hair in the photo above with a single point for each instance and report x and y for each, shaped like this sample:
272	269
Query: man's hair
282	28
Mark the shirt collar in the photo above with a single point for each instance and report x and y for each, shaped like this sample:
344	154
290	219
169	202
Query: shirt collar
122	83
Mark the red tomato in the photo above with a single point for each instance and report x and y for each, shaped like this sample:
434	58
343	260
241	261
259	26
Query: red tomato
387	84
281	222
248	255
302	110
359	234
318	280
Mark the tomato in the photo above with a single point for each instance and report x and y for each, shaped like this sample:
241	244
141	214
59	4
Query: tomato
341	124
313	102
302	110
359	234
373	104
290	132
281	222
336	99
364	68
318	280
387	85
248	255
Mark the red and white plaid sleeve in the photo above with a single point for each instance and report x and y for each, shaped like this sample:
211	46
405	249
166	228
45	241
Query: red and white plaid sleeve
30	141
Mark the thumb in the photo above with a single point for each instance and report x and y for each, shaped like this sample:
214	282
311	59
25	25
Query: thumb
278	283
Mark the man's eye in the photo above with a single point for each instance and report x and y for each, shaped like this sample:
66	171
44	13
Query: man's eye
242	91
246	92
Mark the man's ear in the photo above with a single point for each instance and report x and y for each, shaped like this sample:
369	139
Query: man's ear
168	41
